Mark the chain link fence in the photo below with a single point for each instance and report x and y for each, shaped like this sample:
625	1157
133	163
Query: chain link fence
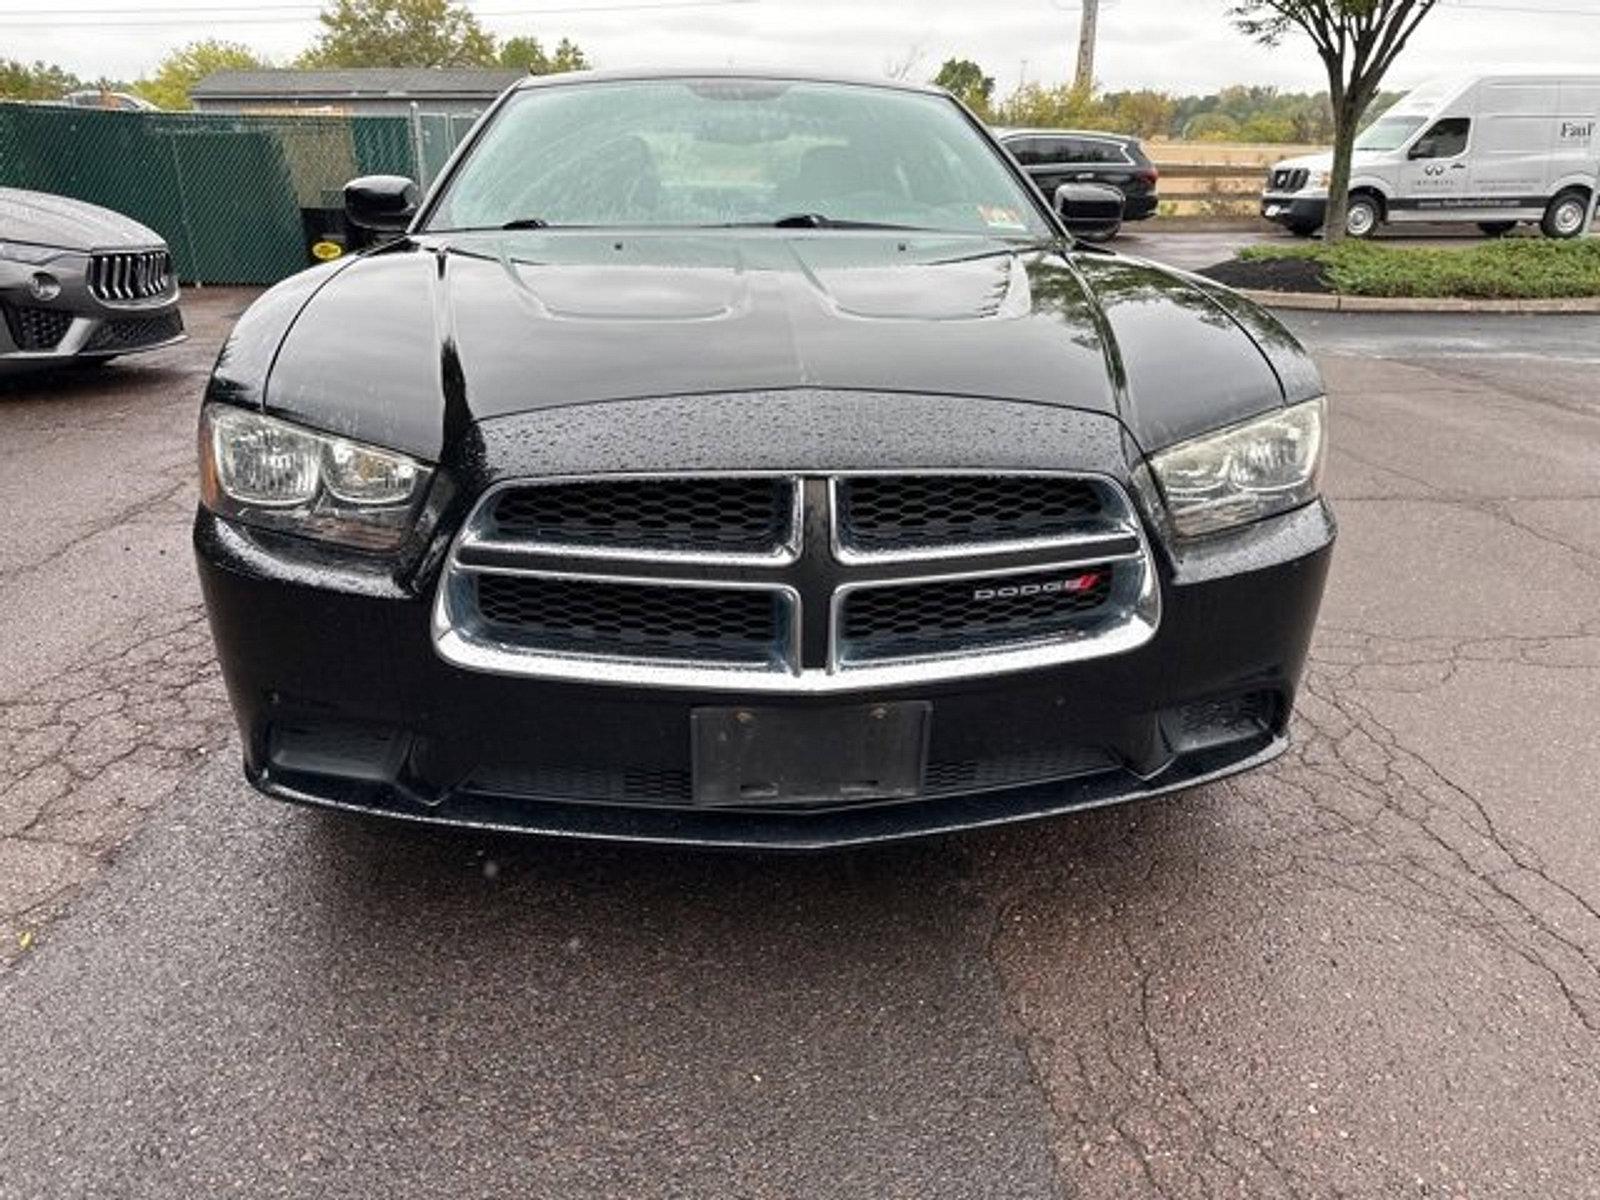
239	199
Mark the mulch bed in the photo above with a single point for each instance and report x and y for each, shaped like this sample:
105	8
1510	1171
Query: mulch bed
1271	275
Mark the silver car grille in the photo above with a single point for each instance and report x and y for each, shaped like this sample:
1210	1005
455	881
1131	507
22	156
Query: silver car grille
795	583
124	277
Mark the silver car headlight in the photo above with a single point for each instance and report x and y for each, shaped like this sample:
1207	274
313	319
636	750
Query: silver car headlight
1263	467
261	471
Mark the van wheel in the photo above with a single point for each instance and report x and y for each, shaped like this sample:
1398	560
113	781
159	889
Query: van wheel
1362	218
1566	215
1496	228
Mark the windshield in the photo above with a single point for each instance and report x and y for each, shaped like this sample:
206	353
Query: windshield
1389	133
710	152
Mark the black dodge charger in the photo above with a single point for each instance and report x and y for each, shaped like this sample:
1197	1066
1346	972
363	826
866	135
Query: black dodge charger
752	460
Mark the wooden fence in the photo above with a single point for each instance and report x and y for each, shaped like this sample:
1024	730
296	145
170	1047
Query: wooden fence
1210	189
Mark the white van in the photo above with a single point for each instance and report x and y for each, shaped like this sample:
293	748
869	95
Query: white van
1492	149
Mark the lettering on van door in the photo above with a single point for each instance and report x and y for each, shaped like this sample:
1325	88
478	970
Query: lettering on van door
1578	132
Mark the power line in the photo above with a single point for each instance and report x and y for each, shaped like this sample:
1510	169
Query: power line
1538	10
270	14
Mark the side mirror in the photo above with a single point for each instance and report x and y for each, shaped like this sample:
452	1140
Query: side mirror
1426	148
381	203
1089	209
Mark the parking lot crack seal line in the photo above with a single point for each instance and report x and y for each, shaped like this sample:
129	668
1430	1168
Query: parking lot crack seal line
122	516
1523	862
87	753
1022	1038
1210	1123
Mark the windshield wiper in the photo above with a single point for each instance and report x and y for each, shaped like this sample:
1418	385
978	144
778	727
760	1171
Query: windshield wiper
813	220
526	223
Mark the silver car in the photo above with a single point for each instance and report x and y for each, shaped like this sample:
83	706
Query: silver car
80	283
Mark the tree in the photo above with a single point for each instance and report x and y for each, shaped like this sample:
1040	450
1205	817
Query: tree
183	68
526	54
35	81
400	33
1064	107
1145	113
1214	126
1357	41
965	80
905	65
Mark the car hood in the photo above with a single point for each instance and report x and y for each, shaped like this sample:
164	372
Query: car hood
403	347
1322	161
45	220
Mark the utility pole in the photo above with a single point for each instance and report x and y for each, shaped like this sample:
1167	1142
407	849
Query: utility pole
1086	36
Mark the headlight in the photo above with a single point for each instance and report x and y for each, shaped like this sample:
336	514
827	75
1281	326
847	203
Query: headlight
262	471
1317	181
1266	466
24	252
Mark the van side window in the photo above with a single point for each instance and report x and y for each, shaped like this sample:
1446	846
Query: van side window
1446	139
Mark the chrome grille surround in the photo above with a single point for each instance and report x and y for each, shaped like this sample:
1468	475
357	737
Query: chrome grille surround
784	546
1287	179
130	276
812	572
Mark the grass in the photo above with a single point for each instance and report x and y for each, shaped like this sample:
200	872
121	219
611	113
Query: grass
1512	269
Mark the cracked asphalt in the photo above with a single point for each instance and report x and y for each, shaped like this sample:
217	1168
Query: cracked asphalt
1372	969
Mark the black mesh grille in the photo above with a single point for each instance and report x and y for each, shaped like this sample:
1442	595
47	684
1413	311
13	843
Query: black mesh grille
749	516
132	332
909	511
1290	179
598	784
37	328
673	787
634	620
1007	770
937	618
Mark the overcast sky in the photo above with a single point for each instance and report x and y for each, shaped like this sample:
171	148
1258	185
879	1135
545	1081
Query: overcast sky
1177	45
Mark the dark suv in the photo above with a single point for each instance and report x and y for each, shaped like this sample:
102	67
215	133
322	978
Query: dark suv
1052	157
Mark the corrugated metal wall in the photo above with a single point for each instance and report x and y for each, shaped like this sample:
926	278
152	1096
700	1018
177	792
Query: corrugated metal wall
238	198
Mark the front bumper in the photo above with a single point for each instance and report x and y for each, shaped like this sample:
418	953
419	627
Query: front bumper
77	325
342	702
1293	211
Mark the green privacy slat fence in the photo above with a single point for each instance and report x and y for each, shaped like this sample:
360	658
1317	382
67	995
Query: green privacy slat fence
437	135
236	197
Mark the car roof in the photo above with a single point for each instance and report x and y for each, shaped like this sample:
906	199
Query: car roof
1096	134
772	74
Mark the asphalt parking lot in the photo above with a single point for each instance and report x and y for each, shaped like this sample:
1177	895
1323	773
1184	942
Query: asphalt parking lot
1372	969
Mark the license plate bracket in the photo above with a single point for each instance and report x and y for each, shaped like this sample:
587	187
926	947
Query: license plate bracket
753	756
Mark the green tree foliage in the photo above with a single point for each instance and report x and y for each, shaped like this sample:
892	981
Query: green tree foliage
965	80
1064	107
181	69
400	33
1145	113
1235	114
1357	41
35	81
527	54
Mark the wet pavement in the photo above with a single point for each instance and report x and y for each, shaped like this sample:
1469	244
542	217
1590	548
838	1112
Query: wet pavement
1372	969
